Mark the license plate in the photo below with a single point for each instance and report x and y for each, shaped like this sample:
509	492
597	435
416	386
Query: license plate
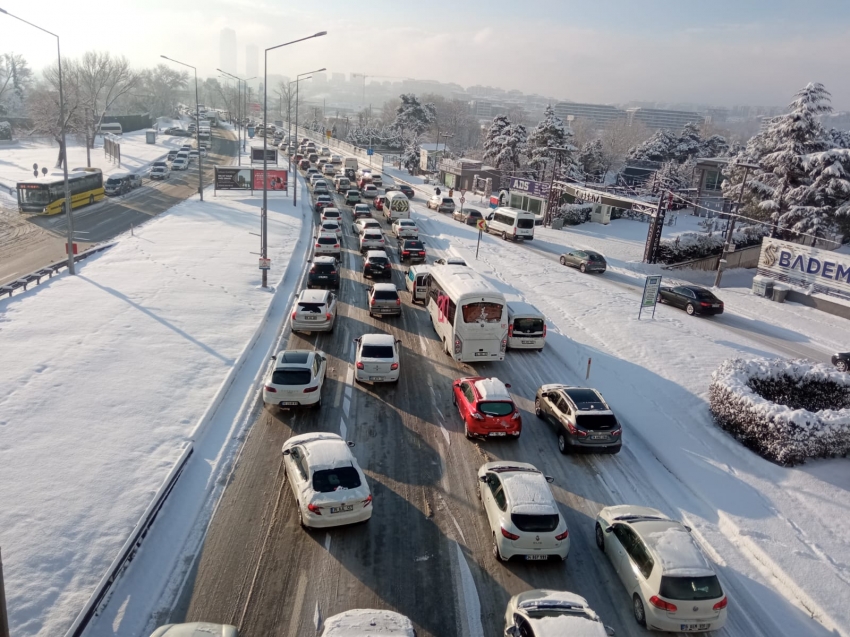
311	318
288	403
498	433
482	353
376	378
343	508
527	342
599	437
715	305
323	277
536	557
693	627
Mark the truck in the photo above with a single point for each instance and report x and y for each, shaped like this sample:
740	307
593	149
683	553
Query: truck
350	167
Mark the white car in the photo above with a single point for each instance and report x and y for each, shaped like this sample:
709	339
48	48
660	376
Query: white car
522	512
328	169
331	226
405	229
376	359
160	172
366	223
196	629
369	191
296	379
362	621
672	585
325	152
328	484
542	612
327	244
315	311
450	261
181	163
336	159
372	239
331	214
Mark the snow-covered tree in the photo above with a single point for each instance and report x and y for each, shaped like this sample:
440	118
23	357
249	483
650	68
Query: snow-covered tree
840	138
688	145
666	146
675	176
16	78
714	146
658	148
591	160
410	156
412	117
550	133
505	144
825	201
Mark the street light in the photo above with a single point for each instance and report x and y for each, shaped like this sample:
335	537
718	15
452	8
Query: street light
68	208
289	123
240	113
264	228
197	126
298	79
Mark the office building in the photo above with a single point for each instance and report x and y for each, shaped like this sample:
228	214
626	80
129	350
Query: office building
659	119
601	113
227	50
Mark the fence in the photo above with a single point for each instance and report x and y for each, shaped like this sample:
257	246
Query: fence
35	277
743	258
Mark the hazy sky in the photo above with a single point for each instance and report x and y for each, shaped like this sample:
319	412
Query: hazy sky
722	52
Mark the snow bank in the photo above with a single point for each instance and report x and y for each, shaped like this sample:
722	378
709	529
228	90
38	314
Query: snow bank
786	411
696	245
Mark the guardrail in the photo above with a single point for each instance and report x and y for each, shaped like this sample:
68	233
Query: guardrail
49	271
375	159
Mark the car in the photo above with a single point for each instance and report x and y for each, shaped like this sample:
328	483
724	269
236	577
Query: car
327	244
672	585
193	629
371	240
377	264
405	229
304	164
194	154
352	196
441	203
383	299
369	191
692	298
379	202
321	188
377	179
181	163
331	226
581	418
314	311
585	260
841	360
322	202
336	159
312	156
324	272
469	216
172	154
411	250
328	169
450	261
203	151
522	512
325	152
376	357
362	210
365	223
542	612
486	408
331	214
186	147
329	487
407	190
313	177
296	379
362	621
322	161
160	172
350	173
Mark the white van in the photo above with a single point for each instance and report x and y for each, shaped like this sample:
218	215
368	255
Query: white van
111	129
416	282
396	206
526	326
512	223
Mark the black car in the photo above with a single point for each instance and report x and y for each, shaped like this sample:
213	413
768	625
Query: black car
581	418
171	155
585	260
411	250
469	216
377	264
407	190
841	360
324	273
691	298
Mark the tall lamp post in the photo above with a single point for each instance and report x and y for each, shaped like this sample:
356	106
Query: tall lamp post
440	135
297	86
289	123
68	209
264	227
241	113
197	126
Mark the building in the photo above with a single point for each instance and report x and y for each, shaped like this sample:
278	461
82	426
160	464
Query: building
656	118
252	61
430	155
601	113
482	109
227	50
460	173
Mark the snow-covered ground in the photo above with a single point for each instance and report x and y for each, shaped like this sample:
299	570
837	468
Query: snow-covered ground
105	379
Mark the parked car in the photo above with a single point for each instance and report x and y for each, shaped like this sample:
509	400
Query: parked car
692	298
486	408
450	261
522	512
405	229
411	250
672	585
361	210
160	172
367	223
361	621
296	379
327	244
542	612
581	418
469	216
329	487
376	358
841	360
441	203
407	190
369	191
324	272
377	264
315	311
352	196
372	240
585	260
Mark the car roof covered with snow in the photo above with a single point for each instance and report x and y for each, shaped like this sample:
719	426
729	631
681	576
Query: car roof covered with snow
324	450
294	357
195	629
377	339
368	623
376	254
385	287
674	547
313	296
491	389
521	308
525	486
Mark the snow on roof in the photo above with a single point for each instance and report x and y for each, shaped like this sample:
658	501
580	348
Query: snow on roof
492	389
313	296
675	547
458	280
528	492
572	625
521	307
377	339
385	287
532	598
195	629
328	453
368	623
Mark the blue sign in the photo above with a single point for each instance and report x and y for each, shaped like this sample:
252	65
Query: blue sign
539	189
251	131
369	151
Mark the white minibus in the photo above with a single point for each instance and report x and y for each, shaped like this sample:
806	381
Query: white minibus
512	223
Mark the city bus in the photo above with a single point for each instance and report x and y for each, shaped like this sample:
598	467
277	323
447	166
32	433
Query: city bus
468	313
48	196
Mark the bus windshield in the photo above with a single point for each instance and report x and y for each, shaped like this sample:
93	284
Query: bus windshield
482	312
38	195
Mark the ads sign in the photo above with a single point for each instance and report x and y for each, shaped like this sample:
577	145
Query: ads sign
826	271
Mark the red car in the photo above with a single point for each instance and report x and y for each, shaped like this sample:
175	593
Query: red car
379	202
486	408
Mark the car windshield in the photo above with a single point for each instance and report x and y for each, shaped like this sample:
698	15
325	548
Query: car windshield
312	308
690	588
525	224
482	312
113	181
337	479
386	295
528	325
495	408
596	422
291	377
535	523
377	351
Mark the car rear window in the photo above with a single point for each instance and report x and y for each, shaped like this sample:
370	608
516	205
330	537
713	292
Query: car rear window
414	245
528	325
495	408
448	200
325	241
525	224
474	214
385	295
690	588
291	377
705	295
372	236
535	523
378	261
324	267
338	479
596	422
332	214
377	351
594	257
313	308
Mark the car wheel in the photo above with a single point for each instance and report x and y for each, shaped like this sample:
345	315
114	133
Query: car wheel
637	609
841	366
563	261
317	404
504	236
563	447
690	309
582	268
466	433
600	537
537	411
496	553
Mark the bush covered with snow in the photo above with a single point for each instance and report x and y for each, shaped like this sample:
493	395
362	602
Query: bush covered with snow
696	245
573	214
786	411
5	131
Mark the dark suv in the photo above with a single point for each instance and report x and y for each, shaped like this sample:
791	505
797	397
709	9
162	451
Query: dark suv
581	418
411	250
324	273
377	264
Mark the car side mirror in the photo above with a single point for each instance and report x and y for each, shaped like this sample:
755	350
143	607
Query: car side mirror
608	529
398	340
687	528
356	340
609	631
550	479
508	385
512	631
350	443
273	357
286	452
482	478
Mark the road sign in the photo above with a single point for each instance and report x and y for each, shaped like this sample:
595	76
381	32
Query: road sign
265	264
650	293
463	200
370	151
481	224
328	133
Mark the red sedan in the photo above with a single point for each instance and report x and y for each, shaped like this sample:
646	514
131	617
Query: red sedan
379	202
486	408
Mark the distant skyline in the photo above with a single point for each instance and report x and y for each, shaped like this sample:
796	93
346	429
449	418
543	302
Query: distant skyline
721	53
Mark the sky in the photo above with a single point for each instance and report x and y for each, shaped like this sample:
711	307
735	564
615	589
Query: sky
721	52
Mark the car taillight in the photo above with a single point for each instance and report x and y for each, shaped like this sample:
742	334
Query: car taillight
510	331
704	304
563	536
333	271
328	316
458	345
336	245
294	314
271	389
314	509
509	535
544	330
368	500
405	252
398	301
504	346
371	301
394	366
360	366
477	416
310	390
312	270
617	432
318	245
380	240
660	603
721	604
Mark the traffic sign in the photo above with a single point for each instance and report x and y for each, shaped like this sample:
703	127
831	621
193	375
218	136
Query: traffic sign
463	199
481	224
328	133
370	151
265	264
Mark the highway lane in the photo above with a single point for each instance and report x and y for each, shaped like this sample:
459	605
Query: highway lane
28	243
426	552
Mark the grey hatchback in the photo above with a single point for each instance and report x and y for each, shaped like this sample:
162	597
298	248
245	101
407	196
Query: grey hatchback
585	260
581	418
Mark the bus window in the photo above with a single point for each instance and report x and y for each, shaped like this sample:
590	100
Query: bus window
482	312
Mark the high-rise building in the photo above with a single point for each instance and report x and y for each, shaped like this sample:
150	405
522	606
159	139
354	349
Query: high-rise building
227	50
252	61
602	113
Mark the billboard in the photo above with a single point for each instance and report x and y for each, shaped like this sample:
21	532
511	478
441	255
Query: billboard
232	178
276	179
539	189
257	155
825	271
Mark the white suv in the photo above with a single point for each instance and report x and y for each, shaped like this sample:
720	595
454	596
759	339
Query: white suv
327	243
296	379
672	585
315	311
405	229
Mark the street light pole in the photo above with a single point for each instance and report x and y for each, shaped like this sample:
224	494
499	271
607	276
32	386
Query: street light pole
241	139
197	126
67	188
289	126
265	212
731	228
298	79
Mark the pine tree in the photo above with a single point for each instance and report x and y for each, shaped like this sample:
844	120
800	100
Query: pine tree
550	133
591	160
675	176
825	201
412	117
505	144
657	148
688	145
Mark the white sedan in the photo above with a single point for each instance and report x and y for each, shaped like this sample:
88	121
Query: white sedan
405	229
296	379
362	621
376	359
522	512
329	487
547	612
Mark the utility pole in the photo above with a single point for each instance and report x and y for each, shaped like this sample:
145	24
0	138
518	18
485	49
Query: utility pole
731	228
4	617
197	126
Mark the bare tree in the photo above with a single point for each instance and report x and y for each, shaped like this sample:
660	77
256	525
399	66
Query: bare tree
15	79
103	80
585	130
44	106
157	91
618	137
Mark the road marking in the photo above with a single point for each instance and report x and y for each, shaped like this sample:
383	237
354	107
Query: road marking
346	405
338	396
349	379
328	542
343	430
296	607
472	604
